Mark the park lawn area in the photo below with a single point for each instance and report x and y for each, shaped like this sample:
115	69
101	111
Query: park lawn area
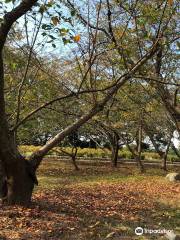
95	203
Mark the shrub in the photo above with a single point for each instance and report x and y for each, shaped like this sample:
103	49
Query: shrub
97	153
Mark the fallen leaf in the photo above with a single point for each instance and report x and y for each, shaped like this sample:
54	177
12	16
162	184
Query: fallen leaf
110	235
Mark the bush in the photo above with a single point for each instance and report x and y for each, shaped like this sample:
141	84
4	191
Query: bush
151	156
173	158
96	153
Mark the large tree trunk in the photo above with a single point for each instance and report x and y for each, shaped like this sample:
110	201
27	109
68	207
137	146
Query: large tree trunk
20	184
17	177
17	174
3	185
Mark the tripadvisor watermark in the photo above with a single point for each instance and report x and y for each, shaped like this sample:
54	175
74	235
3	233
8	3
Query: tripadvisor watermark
140	231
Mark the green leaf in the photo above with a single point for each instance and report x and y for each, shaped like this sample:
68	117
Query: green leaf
44	34
50	41
46	27
66	41
63	31
52	37
73	12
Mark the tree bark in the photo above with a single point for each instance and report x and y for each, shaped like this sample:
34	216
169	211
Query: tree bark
175	150
136	153
74	163
113	137
115	149
3	183
163	155
164	165
73	156
17	185
17	178
17	175
20	183
139	148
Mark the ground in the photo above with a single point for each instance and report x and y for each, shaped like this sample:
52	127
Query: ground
95	203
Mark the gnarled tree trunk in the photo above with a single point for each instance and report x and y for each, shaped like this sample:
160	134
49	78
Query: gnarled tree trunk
17	176
20	183
16	173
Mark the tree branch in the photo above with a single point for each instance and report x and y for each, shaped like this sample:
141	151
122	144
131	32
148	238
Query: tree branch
11	17
37	156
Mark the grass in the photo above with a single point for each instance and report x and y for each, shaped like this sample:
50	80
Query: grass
95	203
63	173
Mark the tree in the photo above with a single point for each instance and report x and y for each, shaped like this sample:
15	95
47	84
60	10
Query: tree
20	173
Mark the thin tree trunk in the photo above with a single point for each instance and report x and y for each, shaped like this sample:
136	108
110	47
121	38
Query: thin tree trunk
164	165
115	156
150	135
163	155
74	163
115	149
139	148
175	150
73	156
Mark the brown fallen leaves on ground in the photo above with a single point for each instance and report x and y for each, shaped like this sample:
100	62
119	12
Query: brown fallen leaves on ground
86	212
